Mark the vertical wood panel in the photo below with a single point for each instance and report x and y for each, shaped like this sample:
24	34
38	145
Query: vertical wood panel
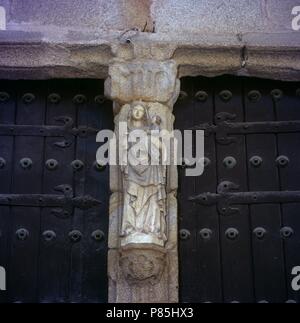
55	254
23	264
188	250
40	269
7	116
288	108
269	282
253	268
236	253
206	217
97	116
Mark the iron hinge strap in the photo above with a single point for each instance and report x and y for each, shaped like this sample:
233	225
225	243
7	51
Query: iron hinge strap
63	203
225	200
223	128
65	130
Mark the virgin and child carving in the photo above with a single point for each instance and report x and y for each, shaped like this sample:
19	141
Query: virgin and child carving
144	181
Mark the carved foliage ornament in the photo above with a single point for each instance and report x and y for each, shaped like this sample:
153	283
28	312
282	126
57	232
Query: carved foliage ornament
145	80
142	264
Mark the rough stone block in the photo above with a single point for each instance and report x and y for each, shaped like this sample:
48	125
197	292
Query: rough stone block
93	14
278	15
230	16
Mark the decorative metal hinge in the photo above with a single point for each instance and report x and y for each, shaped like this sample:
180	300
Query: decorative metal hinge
63	204
224	198
67	130
223	128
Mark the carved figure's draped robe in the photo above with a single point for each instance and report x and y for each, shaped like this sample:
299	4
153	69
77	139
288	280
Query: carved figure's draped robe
144	193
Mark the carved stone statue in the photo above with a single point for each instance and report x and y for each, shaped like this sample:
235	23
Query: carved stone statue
142	258
144	180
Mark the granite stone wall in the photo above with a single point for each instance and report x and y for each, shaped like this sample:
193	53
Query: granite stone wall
76	38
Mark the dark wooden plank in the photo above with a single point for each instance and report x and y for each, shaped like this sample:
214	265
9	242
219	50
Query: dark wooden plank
269	282
189	290
288	108
209	275
7	116
236	253
76	254
56	270
54	267
200	281
96	183
23	265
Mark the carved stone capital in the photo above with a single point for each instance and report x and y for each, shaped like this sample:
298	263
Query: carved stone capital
142	263
143	79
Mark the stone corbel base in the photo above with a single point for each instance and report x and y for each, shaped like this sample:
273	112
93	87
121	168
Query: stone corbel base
142	273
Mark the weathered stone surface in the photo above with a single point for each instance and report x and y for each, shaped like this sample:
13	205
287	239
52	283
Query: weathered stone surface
203	37
143	230
145	80
142	264
41	60
277	14
115	180
169	16
163	291
115	213
29	56
112	271
2	18
273	56
286	65
204	16
173	274
172	222
5	5
207	61
96	14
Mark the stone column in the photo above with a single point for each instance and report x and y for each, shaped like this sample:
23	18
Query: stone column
143	262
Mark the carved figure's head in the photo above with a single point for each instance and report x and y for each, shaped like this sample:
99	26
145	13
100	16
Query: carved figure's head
156	120
138	112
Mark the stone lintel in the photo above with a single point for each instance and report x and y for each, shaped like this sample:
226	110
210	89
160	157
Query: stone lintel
37	55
